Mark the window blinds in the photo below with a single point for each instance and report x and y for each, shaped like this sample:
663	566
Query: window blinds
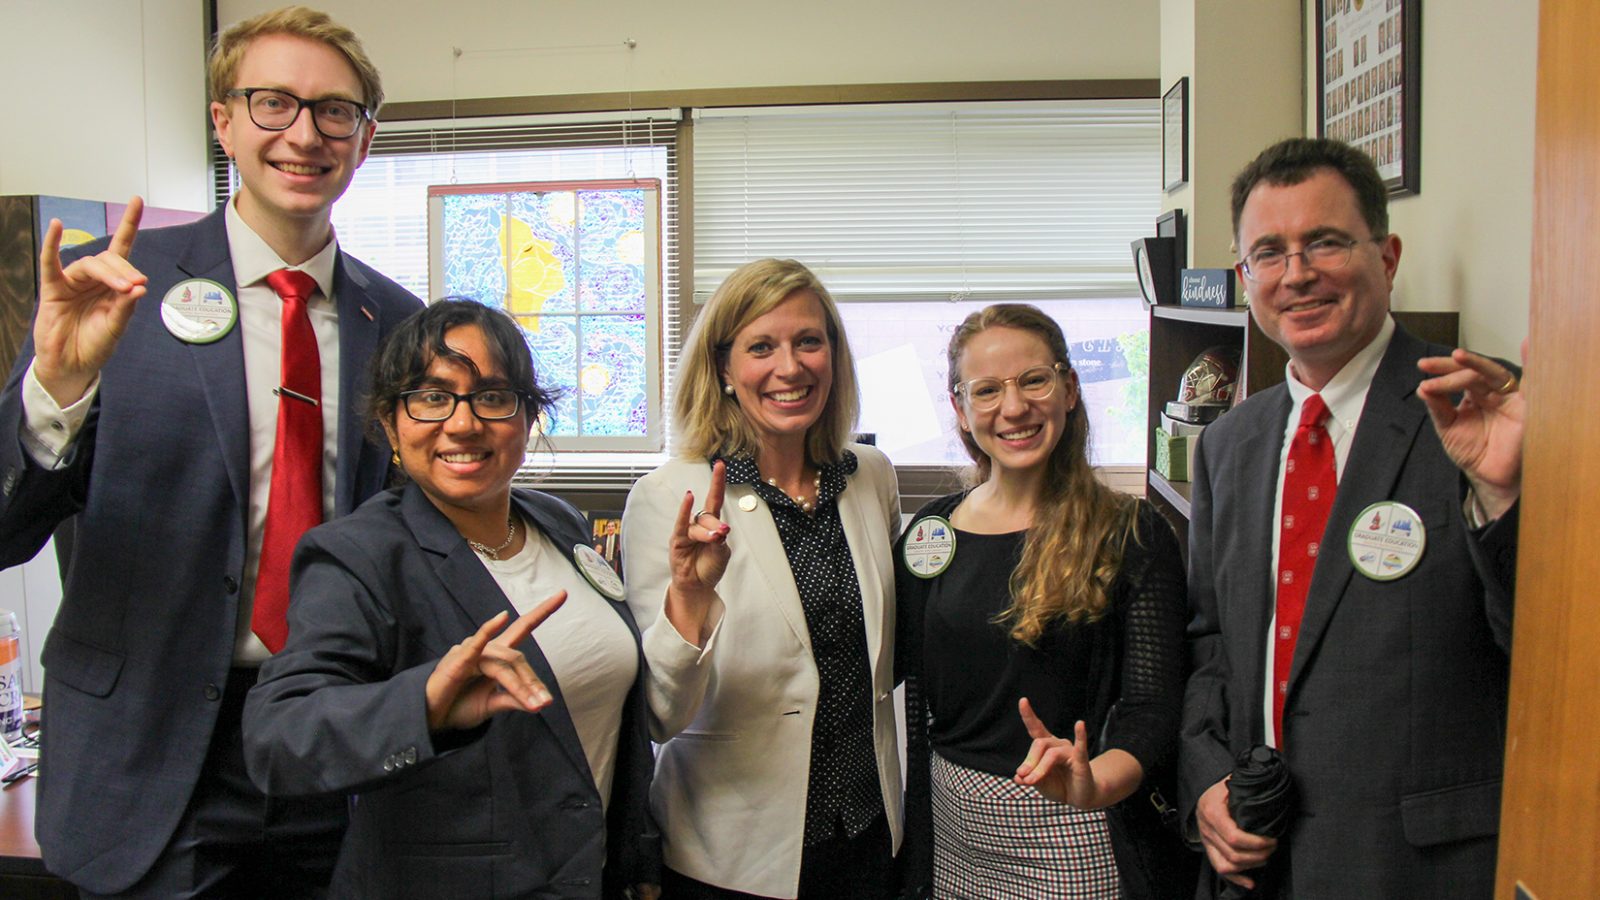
980	201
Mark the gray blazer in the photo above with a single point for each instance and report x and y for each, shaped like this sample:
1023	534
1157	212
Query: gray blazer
1395	722
159	481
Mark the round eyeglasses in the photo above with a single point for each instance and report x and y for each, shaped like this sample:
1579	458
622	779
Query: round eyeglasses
434	405
275	110
1268	264
1037	383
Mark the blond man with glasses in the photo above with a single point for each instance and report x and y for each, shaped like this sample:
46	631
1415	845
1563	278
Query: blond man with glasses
188	398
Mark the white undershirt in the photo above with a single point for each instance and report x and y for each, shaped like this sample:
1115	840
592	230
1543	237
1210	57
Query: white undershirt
49	430
1346	396
589	648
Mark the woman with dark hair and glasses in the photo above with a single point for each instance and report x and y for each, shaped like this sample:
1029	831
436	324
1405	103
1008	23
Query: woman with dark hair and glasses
410	668
1036	607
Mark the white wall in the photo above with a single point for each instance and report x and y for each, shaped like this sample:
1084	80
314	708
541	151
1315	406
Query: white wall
1241	99
106	100
516	48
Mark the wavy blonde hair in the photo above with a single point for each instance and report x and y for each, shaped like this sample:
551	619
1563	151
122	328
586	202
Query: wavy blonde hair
708	421
228	52
1072	552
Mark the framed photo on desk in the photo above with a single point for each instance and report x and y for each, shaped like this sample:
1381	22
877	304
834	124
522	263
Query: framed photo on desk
1369	83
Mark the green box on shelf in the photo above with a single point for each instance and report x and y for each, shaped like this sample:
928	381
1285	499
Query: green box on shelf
1172	455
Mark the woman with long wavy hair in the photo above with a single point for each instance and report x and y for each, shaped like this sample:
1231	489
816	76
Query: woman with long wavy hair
1059	606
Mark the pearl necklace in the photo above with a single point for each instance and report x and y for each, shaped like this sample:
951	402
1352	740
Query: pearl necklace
493	553
806	504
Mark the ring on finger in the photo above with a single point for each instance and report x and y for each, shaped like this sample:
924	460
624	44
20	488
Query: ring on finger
703	512
1509	387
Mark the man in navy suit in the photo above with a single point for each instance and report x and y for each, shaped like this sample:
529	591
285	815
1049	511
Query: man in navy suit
1383	679
146	404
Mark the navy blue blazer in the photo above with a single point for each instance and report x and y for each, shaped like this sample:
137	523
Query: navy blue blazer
159	482
1394	728
509	809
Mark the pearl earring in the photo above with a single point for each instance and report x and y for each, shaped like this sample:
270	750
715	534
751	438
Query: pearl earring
727	389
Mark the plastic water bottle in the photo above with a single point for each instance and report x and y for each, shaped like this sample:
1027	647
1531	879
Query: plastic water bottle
10	676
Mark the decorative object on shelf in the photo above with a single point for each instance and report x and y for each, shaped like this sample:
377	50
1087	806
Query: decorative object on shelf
1157	267
1208	386
606	532
1369	84
1175	136
1173	453
1209	288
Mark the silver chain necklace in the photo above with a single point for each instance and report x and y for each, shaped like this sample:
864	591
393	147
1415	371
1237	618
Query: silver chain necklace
494	552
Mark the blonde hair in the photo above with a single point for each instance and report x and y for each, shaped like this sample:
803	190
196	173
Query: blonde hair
1072	552
708	422
228	52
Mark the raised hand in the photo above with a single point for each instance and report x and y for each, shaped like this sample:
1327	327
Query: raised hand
84	308
1482	431
486	674
697	555
1059	768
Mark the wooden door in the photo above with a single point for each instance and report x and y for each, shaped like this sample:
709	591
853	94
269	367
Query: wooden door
1550	822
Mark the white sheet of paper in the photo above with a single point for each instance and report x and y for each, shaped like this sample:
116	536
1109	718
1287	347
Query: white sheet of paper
894	400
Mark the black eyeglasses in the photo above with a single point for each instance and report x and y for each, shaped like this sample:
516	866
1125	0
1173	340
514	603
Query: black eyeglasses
434	405
275	110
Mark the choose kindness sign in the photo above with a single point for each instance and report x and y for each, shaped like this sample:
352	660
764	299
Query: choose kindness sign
1207	287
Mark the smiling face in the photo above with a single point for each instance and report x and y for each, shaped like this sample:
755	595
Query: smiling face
464	464
1322	319
1020	434
781	369
290	179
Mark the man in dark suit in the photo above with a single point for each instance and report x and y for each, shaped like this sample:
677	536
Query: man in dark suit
1383	679
195	423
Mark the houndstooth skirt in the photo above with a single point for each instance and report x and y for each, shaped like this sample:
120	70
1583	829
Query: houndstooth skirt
994	839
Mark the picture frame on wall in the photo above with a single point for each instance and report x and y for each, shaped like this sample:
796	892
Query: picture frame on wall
1175	136
1369	83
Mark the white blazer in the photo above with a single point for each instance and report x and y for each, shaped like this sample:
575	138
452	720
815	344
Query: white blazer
735	719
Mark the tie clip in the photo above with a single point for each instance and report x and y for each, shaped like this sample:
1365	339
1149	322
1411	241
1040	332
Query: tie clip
285	392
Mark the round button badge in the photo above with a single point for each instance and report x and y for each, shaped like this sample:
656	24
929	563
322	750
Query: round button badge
199	311
1387	540
597	571
930	546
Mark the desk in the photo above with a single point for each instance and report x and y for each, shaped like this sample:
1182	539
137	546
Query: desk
22	873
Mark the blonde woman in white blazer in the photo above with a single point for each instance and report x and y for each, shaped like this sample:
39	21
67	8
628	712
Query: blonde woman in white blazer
771	695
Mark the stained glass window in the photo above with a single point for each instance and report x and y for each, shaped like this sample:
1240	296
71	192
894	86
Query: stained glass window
577	265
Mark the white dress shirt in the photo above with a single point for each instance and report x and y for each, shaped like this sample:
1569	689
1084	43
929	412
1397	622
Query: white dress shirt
48	429
1346	395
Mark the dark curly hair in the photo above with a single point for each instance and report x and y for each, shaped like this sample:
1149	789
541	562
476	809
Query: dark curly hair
403	357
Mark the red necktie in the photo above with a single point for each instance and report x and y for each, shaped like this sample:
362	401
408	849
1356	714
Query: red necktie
1309	482
295	501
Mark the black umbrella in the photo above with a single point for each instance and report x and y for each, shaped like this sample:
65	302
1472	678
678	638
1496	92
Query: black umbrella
1261	801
